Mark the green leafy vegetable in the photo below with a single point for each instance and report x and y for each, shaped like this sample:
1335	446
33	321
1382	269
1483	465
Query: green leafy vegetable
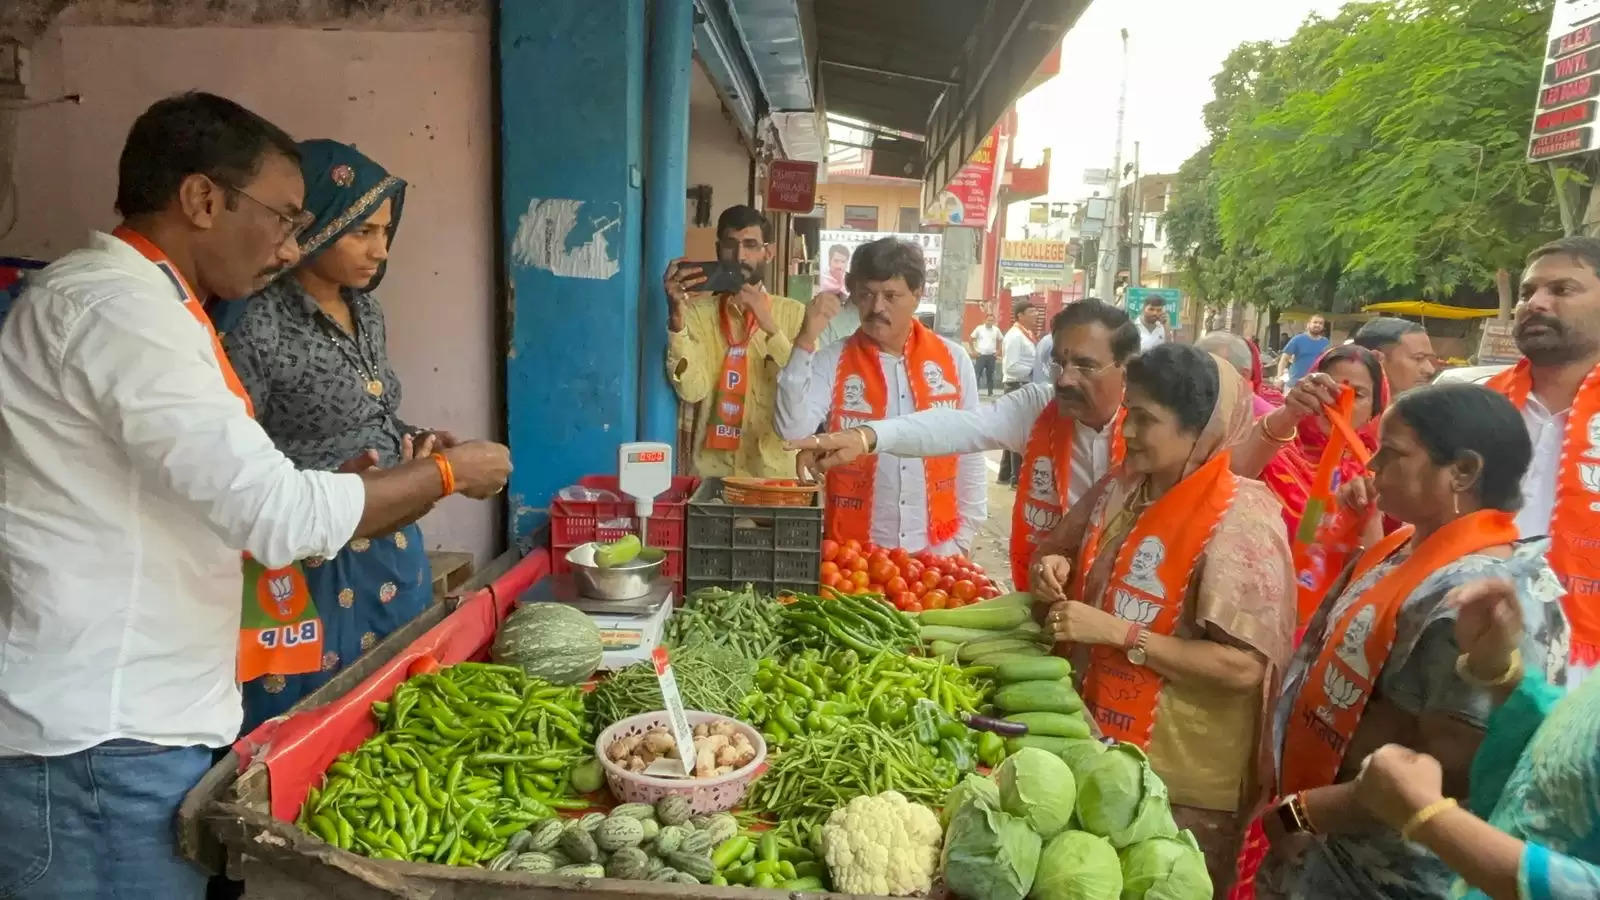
1037	787
1076	865
975	788
1165	868
1121	799
989	853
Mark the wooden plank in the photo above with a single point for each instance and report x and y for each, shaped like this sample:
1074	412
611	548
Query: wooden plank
451	569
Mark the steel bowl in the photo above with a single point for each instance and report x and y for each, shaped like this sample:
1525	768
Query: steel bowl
627	582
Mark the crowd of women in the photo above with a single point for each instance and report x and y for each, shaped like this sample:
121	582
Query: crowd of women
1324	628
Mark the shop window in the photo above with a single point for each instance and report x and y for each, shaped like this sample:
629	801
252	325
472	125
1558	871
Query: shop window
861	218
910	220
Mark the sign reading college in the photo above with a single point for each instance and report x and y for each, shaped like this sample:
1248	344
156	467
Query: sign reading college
1569	95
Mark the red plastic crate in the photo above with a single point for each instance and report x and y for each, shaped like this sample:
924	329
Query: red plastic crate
577	522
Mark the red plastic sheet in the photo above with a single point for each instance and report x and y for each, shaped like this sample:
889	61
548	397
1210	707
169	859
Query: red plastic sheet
299	748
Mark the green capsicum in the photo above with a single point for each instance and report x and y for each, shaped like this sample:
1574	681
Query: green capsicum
991	749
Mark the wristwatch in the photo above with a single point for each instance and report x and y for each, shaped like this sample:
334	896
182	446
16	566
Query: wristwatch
1292	816
1138	637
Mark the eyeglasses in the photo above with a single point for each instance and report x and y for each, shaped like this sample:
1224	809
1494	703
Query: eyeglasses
290	226
750	244
1055	370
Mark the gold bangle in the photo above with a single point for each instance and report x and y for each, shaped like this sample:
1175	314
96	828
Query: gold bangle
1293	434
1299	801
1512	673
1424	815
866	446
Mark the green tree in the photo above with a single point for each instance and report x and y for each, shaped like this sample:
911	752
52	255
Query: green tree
1377	152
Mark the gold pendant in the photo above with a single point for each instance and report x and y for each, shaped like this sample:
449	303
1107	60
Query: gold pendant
375	388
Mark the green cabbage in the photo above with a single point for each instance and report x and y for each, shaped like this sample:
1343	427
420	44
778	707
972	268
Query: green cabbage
989	854
1077	865
1080	753
1165	868
1038	787
975	788
1121	799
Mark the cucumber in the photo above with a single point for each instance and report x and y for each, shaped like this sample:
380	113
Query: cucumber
1052	724
1038	696
994	660
946	649
1029	630
1048	668
975	649
1045	742
992	618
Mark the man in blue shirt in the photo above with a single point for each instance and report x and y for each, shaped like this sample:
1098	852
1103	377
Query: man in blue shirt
1303	350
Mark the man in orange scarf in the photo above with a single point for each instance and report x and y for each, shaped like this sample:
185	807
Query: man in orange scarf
892	366
1041	423
1557	388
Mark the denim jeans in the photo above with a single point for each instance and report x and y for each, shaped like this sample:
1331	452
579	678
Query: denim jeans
101	823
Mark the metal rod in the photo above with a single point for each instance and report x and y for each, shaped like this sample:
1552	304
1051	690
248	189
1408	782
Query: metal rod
1106	284
886	73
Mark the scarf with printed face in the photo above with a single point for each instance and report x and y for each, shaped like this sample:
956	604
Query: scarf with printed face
860	395
1328	534
1575	520
280	632
1047	466
1339	683
726	426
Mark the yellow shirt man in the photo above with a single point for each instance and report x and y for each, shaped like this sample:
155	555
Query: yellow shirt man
695	358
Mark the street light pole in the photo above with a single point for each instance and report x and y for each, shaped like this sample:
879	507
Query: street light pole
1135	225
1106	283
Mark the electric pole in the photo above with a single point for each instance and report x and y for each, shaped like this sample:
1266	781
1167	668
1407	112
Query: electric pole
1106	283
1136	226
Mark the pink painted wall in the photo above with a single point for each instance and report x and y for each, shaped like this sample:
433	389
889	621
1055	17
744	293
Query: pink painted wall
416	101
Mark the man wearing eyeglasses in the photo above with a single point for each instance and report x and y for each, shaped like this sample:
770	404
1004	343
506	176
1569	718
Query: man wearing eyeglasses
133	475
1039	422
724	353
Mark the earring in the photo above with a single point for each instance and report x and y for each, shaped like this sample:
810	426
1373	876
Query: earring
1455	500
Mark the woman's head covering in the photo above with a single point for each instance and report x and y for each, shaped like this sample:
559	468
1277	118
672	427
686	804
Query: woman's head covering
1232	417
343	189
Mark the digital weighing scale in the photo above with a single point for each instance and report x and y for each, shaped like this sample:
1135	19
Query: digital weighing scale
629	629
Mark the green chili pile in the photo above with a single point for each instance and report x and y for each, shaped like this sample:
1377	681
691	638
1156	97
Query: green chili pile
465	758
863	623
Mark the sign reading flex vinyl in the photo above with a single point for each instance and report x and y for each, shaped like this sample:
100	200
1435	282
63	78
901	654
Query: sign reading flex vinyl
1569	94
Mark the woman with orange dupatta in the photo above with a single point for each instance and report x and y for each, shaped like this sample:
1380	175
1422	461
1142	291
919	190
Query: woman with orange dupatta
1380	663
1170	587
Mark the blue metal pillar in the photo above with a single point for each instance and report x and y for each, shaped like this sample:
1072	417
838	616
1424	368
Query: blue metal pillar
571	91
666	181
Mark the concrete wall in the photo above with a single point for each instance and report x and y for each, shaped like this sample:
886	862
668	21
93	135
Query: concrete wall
888	198
717	157
418	101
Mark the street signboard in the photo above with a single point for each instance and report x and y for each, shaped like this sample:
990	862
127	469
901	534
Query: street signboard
1497	347
968	196
1096	176
1172	298
792	185
1569	94
1035	262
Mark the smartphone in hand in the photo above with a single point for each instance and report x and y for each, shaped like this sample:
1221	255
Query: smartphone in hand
721	277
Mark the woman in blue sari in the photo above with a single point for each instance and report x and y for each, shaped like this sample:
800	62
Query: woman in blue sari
311	350
1531	830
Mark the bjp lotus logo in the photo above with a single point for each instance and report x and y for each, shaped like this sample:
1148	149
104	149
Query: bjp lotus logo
1133	609
1342	692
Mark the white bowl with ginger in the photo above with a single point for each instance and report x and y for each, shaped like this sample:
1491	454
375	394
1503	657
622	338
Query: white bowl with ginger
729	755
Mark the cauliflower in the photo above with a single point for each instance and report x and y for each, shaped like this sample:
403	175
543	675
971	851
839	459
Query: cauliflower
883	845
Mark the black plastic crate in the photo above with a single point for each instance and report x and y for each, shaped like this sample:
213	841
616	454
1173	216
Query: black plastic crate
773	548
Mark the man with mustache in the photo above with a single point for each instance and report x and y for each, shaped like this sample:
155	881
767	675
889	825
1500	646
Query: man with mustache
724	353
1557	388
1040	422
1303	350
1406	350
892	366
133	475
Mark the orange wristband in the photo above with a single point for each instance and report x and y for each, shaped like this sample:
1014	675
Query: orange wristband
447	475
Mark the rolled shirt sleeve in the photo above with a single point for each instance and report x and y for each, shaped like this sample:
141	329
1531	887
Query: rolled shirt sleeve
1001	425
805	391
155	385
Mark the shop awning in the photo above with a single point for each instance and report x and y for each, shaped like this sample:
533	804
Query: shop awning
1428	310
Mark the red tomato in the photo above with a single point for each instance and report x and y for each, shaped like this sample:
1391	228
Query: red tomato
912	570
978	569
853	545
935	600
930	579
895	585
900	556
859	564
860	580
905	600
925	557
830	549
948	568
946	582
875	588
829	569
844	556
963	590
988	592
881	570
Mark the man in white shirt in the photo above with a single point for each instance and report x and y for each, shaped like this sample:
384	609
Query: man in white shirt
892	366
1152	323
1061	460
1557	388
1020	353
131	477
985	344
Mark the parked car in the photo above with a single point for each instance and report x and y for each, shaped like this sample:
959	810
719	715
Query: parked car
1469	374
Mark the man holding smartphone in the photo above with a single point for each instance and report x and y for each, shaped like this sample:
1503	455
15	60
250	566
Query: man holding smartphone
724	353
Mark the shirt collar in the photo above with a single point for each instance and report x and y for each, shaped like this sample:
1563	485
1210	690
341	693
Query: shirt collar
129	260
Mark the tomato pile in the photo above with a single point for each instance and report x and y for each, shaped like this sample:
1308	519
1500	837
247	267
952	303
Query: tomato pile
913	582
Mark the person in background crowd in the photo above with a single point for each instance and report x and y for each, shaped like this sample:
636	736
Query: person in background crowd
1263	386
1379	663
1061	461
1532	828
1019	353
1167	584
985	344
1043	359
1285	448
833	276
1406	349
312	350
1152	324
134	475
724	354
1303	350
1557	388
892	366
1236	352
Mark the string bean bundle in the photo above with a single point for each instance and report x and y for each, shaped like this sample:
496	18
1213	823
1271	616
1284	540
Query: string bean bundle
711	679
743	621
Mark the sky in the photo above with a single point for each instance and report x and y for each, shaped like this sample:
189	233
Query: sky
1174	46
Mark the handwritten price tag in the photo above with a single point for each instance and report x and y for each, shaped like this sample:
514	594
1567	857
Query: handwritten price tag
673	703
